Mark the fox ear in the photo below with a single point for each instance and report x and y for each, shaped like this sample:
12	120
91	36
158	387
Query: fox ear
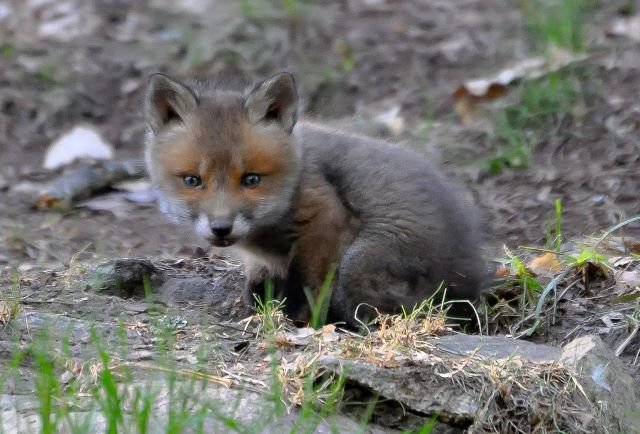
167	100
274	100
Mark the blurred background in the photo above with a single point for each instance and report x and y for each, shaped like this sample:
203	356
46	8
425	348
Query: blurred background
532	105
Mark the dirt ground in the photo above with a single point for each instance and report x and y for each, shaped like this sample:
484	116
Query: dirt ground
416	57
354	61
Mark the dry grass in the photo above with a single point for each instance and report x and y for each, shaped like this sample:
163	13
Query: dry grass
10	300
516	396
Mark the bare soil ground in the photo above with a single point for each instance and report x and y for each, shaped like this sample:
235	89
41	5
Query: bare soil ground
354	60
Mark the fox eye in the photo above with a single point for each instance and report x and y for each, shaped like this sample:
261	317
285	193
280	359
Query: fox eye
251	180
192	181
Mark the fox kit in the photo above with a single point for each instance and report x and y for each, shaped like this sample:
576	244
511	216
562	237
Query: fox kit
296	200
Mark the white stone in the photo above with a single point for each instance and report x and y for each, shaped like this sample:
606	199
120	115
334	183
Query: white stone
80	142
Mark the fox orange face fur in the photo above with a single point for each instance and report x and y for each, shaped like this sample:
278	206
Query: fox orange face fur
222	168
298	200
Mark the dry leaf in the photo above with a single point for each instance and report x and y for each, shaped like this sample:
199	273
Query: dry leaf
627	282
545	265
469	93
502	271
620	261
329	333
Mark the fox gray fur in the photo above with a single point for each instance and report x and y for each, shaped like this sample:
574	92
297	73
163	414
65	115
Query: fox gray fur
295	200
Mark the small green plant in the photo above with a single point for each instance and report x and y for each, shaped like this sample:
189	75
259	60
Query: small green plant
429	425
345	52
293	7
194	57
628	8
270	310
257	8
587	256
518	128
107	395
425	128
47	386
146	285
46	75
7	50
141	409
557	23
320	305
551	25
320	398
512	146
524	278
248	8
554	229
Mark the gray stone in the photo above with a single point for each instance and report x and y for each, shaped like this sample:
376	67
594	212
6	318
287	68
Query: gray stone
127	277
416	387
496	347
248	410
606	382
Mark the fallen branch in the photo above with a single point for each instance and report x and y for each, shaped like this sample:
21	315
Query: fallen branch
85	181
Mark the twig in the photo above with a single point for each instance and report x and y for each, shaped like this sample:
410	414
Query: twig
87	180
629	338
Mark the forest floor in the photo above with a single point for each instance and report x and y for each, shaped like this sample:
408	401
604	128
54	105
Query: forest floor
551	160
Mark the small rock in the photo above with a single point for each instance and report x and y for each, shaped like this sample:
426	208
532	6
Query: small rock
80	142
392	120
127	277
66	377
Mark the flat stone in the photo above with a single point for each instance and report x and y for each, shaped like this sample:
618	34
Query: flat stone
249	410
418	388
497	347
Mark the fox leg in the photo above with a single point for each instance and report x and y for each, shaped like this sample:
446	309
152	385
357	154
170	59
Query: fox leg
258	279
289	288
372	276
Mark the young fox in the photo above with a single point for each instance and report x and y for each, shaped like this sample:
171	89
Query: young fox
295	201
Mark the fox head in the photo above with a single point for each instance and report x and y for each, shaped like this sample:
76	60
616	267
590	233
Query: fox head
223	161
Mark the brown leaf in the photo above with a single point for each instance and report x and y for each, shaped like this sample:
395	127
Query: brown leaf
502	271
471	92
545	265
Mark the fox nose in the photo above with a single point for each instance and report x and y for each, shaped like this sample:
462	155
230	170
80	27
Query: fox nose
221	228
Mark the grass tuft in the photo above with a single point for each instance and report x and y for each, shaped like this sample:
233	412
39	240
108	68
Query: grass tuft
269	314
320	305
554	228
520	127
557	23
